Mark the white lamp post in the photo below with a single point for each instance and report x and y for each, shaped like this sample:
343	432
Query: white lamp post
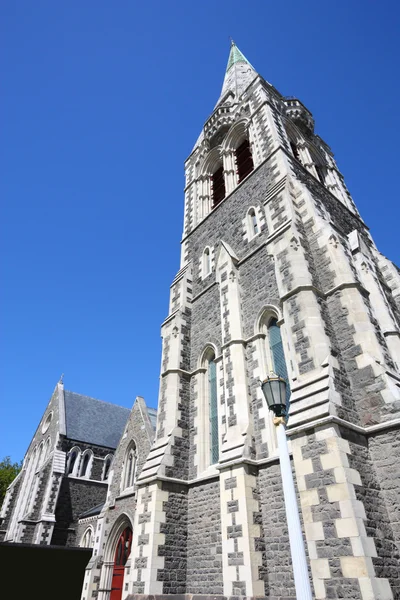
274	390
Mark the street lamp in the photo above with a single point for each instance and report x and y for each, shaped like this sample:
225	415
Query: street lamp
274	390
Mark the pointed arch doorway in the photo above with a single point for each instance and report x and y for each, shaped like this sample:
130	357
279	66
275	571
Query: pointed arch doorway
122	553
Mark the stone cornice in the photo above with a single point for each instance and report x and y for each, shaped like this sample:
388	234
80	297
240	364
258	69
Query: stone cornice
332	419
212	476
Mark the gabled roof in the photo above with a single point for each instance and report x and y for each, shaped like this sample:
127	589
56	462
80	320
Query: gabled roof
94	421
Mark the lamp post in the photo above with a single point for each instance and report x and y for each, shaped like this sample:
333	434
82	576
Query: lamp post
274	390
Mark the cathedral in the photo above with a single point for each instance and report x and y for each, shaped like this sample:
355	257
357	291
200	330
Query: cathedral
278	273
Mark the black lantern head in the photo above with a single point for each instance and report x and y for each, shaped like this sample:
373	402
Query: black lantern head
274	390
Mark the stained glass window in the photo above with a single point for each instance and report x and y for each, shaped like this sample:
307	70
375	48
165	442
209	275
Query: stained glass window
278	356
213	406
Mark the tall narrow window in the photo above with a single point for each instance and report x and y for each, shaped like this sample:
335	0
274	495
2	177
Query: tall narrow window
87	539
295	150
130	468
320	173
206	262
244	160
252	223
72	461
213	410
218	186
85	466
277	355
106	468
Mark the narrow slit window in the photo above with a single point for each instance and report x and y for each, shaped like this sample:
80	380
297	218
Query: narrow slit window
253	223
206	262
213	411
320	173
278	356
72	461
85	465
244	160
130	468
218	186
107	466
295	150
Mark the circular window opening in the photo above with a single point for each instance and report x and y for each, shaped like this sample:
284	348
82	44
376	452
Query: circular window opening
47	422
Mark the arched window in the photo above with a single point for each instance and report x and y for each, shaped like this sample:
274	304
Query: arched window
106	468
86	464
72	463
244	159
218	186
206	262
320	172
278	355
46	450
87	540
252	223
40	457
129	470
213	409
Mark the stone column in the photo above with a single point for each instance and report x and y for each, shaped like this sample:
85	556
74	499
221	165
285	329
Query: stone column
235	440
147	537
240	532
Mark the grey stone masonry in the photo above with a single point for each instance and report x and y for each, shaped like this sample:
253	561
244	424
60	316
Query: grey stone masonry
278	273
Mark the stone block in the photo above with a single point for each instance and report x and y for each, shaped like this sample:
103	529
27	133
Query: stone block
320	568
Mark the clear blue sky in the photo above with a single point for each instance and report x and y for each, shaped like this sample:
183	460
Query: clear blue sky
102	102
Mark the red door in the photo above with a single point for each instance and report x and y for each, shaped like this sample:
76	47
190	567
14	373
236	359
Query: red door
122	553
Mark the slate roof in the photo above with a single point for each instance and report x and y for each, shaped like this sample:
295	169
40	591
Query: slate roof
92	512
94	421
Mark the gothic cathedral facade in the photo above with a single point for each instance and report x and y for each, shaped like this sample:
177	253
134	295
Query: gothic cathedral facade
278	273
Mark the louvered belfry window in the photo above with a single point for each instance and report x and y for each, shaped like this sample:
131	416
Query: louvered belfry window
213	404
244	160
218	186
278	356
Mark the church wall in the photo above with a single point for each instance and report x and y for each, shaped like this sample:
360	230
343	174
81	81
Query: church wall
382	482
206	324
99	454
11	506
204	544
226	222
259	288
142	434
174	549
29	530
45	437
76	496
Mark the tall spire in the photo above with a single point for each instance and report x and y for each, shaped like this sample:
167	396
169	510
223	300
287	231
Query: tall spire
239	73
235	56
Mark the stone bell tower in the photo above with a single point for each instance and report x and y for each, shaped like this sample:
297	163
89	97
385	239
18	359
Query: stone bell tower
278	271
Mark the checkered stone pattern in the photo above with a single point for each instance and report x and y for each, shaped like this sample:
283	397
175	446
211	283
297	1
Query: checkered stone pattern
241	532
340	550
148	537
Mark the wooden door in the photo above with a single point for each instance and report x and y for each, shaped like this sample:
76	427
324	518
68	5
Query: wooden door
122	553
